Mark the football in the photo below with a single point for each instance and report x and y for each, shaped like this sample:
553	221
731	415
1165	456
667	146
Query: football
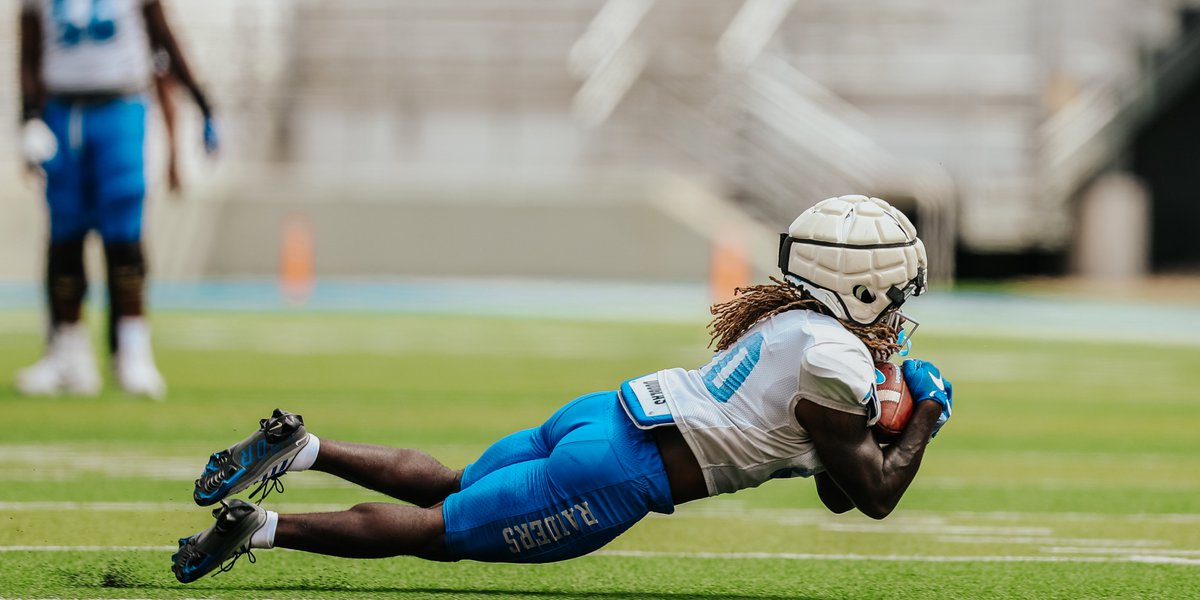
895	402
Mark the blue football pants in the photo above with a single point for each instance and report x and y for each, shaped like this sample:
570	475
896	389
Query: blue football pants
97	180
560	490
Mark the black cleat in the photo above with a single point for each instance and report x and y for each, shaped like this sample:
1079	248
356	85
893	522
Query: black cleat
259	459
226	540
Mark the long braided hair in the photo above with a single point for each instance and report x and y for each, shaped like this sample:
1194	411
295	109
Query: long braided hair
758	302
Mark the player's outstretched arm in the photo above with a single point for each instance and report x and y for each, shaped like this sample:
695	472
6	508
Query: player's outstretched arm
162	88
871	477
161	37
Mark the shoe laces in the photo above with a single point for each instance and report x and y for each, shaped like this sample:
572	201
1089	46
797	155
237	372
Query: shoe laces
271	484
226	519
228	564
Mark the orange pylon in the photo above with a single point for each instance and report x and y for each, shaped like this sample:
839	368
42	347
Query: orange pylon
296	251
728	268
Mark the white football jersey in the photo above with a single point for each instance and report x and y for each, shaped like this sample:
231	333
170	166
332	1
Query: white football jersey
93	46
737	413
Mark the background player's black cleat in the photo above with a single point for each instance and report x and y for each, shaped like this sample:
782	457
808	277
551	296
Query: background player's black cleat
257	460
226	540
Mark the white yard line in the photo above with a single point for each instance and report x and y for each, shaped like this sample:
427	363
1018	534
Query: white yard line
912	521
734	509
941	526
936	529
149	506
64	462
1133	558
1018	539
40	505
1178	518
1130	558
1117	550
88	548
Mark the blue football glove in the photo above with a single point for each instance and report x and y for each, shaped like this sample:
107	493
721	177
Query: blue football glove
925	383
212	143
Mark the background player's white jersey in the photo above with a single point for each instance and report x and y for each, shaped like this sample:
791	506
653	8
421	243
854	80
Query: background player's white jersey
737	413
93	46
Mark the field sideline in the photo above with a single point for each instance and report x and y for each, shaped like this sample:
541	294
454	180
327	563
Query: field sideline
1070	470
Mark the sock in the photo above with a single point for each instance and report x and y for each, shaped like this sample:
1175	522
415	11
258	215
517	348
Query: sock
126	286
307	455
133	332
265	536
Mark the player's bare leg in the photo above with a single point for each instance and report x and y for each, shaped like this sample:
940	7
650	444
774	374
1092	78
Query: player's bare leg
282	445
373	530
405	474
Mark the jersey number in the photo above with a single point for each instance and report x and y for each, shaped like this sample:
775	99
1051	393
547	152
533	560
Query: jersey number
724	376
99	27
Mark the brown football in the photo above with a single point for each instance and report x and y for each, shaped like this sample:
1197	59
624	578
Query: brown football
895	402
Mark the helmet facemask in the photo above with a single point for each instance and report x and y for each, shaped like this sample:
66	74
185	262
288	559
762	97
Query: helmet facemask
905	328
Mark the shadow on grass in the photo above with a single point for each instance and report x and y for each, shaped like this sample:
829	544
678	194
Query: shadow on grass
484	593
126	575
462	592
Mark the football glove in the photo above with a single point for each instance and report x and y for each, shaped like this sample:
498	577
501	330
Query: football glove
38	144
925	382
212	142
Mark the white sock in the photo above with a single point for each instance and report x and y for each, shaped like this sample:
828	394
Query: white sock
265	536
307	455
133	327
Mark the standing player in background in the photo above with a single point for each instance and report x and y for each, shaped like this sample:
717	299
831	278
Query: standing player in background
85	70
790	393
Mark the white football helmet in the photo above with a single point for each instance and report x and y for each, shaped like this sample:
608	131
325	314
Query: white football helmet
858	256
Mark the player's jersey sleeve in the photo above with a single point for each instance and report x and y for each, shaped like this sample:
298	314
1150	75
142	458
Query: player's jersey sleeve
837	375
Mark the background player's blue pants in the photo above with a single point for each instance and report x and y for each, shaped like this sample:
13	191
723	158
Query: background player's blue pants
97	180
560	490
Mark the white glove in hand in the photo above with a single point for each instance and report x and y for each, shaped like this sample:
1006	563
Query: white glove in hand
38	144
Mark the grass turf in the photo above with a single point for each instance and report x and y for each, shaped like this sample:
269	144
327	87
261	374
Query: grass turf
1069	470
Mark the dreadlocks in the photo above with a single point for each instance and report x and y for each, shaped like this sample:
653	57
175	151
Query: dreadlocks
757	302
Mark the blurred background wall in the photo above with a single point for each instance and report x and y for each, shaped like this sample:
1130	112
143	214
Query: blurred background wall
622	139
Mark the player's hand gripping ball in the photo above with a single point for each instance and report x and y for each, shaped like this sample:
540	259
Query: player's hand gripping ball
895	402
926	383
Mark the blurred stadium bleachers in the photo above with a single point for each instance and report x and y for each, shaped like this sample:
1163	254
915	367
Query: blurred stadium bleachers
399	128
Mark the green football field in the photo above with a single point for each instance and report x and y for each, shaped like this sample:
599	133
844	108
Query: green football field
1069	470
